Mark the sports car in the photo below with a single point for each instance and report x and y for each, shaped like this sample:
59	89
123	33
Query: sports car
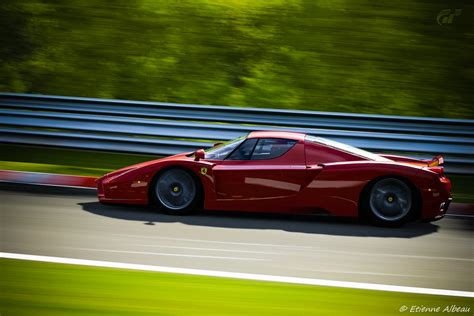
286	172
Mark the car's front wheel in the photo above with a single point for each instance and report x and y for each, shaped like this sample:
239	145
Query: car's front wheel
176	191
390	202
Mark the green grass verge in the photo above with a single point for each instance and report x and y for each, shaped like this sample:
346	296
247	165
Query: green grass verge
65	161
37	288
463	188
96	163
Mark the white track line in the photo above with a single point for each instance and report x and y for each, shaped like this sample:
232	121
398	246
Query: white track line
394	255
209	249
236	275
308	253
168	254
217	242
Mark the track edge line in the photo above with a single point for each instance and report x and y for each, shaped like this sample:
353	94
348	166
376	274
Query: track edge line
238	275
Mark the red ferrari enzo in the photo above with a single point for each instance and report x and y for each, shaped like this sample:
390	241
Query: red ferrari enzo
286	172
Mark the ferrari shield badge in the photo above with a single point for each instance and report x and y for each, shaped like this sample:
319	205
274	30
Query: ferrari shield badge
203	171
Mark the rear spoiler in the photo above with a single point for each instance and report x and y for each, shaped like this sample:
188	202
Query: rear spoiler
436	161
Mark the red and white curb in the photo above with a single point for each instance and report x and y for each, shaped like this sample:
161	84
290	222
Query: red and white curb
47	179
238	275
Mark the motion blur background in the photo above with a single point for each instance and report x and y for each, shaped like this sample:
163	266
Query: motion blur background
397	57
353	56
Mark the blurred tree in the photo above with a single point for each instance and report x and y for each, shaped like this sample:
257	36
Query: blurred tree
354	56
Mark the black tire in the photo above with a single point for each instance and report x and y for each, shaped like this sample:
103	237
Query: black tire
176	191
390	202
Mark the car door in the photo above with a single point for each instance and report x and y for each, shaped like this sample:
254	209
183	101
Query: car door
262	174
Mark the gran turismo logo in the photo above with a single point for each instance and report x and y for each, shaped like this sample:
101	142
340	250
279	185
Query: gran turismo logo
446	16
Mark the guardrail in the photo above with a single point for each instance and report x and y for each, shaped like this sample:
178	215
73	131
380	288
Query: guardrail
167	128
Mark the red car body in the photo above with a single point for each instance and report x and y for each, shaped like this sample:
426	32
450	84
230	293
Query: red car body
311	177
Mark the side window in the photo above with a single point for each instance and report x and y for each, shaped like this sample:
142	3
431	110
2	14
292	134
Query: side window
244	151
268	148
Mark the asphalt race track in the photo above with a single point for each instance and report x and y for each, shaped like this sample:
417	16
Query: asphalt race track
71	223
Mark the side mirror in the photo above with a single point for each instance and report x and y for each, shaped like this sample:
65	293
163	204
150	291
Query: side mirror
199	154
217	144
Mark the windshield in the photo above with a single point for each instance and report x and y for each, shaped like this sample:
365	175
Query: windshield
347	148
224	149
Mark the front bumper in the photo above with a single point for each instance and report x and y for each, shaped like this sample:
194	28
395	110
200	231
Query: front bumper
100	187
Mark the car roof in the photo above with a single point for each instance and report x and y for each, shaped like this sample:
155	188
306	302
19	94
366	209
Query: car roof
277	134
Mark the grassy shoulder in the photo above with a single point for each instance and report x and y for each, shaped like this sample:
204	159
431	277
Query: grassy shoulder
95	163
65	161
37	288
463	188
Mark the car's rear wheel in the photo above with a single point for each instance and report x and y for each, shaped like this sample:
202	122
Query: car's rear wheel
176	191
390	202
